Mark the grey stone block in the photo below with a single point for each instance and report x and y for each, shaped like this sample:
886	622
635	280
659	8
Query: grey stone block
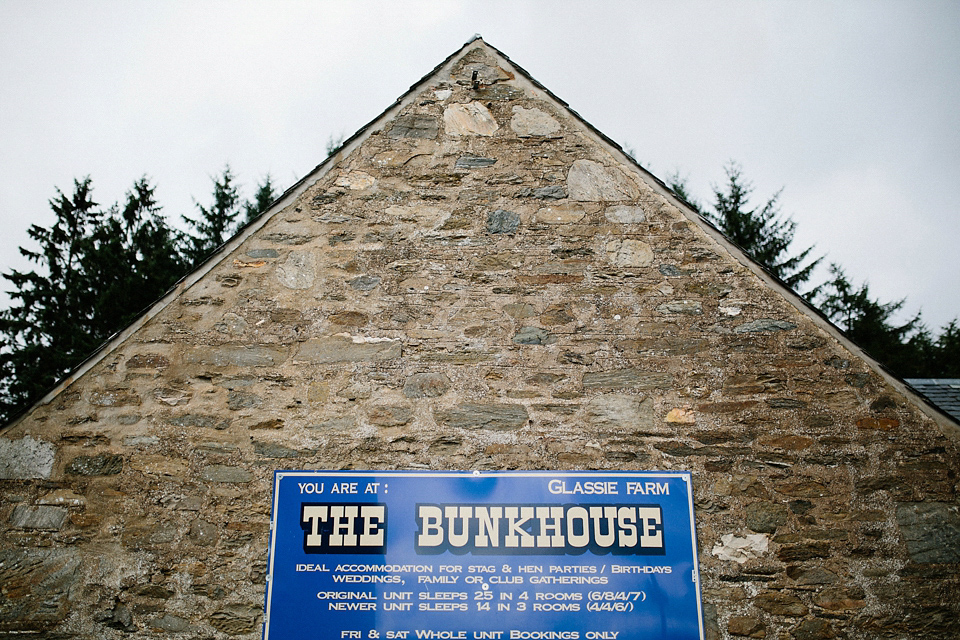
626	379
765	325
931	530
502	221
426	385
225	473
498	417
42	517
25	459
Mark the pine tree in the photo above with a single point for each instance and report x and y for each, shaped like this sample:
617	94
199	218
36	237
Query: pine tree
97	270
762	232
216	223
49	326
262	200
906	349
132	259
679	185
946	356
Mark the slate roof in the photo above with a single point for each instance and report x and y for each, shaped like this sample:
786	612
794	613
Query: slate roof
942	392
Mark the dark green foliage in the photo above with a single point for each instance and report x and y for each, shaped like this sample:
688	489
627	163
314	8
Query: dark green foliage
868	322
907	349
262	200
98	269
334	144
679	185
216	223
762	232
946	353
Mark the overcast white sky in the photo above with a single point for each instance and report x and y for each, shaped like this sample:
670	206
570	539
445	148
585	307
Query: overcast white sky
853	107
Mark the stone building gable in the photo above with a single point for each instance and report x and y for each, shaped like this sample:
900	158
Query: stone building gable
478	280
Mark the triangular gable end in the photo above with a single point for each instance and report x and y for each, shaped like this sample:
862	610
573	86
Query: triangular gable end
477	279
498	78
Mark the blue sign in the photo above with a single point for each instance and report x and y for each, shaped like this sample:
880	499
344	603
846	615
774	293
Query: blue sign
380	555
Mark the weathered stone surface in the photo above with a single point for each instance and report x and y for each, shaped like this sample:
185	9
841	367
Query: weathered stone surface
803	552
226	473
148	361
626	379
785	403
199	420
237	400
811	575
532	122
356	180
881	424
469	119
765	517
790	443
38	585
388	241
591	181
803	488
172	397
765	325
347	348
39	517
931	530
681	415
840	598
238	355
426	385
474	162
478	70
668	345
389	415
297	271
629	253
415	125
364	283
748	626
681	307
781	603
160	466
103	464
349	318
520	310
552	192
236	619
497	417
169	623
739	549
625	214
339	423
559	214
556	315
814	629
672	270
203	533
534	335
119	397
502	221
25	459
62	497
621	412
274	450
263	253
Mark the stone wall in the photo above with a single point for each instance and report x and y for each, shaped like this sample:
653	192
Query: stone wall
479	282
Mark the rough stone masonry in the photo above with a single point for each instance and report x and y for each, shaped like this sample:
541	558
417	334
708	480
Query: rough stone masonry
479	280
